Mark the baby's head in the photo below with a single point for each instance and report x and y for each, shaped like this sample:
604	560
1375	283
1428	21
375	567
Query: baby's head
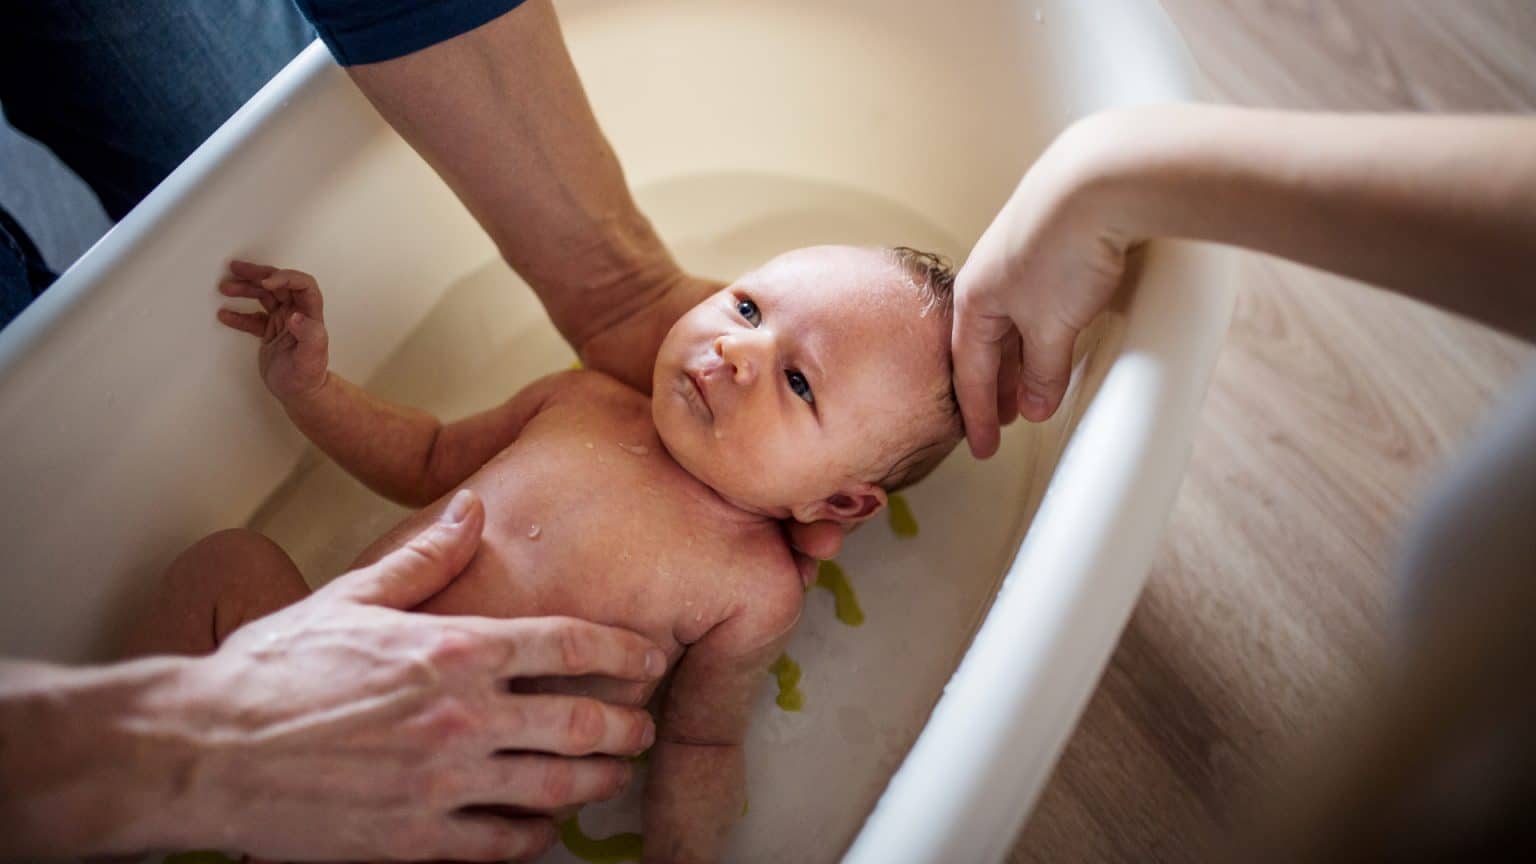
815	384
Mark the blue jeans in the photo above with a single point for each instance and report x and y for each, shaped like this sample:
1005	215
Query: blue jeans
123	90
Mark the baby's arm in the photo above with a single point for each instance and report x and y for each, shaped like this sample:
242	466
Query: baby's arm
697	783
404	454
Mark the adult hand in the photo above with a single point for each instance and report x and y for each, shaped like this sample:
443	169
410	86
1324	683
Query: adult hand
1045	267
343	728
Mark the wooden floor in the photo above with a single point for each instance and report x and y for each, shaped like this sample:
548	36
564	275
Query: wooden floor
1331	407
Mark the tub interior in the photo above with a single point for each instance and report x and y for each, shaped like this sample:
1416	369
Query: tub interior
745	130
866	690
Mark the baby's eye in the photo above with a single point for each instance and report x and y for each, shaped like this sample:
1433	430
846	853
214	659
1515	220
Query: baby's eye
800	386
748	310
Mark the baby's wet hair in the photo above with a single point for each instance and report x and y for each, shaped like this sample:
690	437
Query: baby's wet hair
933	275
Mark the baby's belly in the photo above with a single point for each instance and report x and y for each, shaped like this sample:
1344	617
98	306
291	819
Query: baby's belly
500	583
577	538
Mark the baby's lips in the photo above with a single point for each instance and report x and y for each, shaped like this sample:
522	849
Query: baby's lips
700	384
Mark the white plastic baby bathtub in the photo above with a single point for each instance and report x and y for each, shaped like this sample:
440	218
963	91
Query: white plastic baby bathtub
131	424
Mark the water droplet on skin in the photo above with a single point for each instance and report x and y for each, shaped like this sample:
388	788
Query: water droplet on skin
637	449
533	533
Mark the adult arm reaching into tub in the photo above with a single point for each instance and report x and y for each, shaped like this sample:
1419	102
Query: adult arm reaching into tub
336	729
490	99
1439	208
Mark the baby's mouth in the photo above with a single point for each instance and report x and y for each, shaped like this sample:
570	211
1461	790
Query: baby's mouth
694	393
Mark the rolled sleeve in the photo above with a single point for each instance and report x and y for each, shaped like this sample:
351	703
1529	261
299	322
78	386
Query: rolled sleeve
370	31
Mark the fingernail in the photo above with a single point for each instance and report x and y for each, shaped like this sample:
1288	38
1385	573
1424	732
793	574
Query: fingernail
648	734
458	508
655	663
1034	400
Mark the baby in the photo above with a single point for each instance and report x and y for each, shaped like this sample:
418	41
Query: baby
806	390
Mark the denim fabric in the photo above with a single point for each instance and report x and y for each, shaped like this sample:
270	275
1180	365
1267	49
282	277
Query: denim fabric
123	90
23	274
369	31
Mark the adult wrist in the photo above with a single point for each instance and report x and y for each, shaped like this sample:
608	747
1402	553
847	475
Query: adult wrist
97	760
616	292
1113	164
1168	170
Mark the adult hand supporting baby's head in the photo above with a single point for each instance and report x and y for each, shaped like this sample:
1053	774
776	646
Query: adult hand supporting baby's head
625	346
1047	265
813	542
344	728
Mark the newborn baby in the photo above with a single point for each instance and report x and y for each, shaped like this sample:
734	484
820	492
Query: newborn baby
807	390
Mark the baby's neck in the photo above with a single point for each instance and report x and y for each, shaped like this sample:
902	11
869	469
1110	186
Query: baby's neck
720	507
727	509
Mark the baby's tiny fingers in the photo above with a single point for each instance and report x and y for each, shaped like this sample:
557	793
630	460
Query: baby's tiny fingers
254	323
306	329
277	283
250	290
301	288
247	270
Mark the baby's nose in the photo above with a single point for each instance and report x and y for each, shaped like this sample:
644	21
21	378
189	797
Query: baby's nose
737	353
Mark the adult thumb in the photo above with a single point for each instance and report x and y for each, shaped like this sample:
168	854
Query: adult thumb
424	566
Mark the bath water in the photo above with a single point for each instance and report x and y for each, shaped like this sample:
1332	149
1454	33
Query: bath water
867	690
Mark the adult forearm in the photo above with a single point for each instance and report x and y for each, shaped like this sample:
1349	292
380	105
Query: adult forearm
1440	208
386	446
93	761
500	114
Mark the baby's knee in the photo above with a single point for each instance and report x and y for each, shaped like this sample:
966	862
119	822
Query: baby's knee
224	553
233	563
211	588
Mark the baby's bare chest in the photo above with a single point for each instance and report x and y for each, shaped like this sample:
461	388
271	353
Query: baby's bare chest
587	516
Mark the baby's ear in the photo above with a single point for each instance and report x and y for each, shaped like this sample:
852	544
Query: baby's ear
850	505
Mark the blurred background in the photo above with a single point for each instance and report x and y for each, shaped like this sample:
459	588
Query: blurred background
1269	609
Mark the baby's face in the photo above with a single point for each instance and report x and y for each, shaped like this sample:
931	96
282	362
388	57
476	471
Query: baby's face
785	387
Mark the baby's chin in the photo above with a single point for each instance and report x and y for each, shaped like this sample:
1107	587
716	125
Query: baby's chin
678	443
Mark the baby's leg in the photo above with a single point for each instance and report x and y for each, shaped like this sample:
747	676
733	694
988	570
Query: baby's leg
218	584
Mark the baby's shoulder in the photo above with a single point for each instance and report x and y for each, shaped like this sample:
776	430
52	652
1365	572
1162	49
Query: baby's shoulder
590	387
777	591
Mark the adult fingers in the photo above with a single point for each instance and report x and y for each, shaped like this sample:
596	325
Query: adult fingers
1047	369
1008	373
409	575
537	782
254	323
569	725
823	539
978	349
571	646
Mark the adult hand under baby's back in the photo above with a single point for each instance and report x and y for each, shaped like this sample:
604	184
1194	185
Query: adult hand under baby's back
339	728
398	720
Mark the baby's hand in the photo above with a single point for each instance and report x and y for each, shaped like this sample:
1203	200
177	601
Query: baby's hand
291	326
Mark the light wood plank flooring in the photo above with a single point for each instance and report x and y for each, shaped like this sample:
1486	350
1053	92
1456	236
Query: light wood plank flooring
1331	407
